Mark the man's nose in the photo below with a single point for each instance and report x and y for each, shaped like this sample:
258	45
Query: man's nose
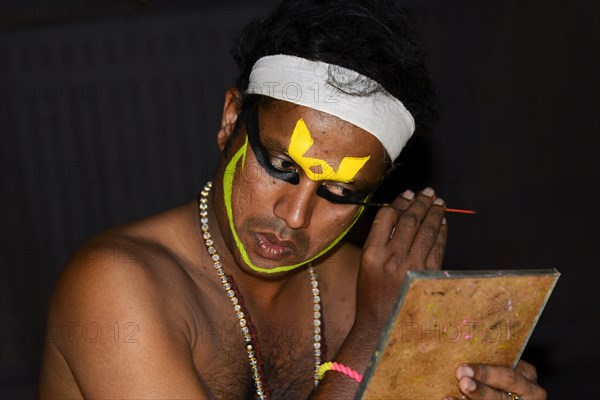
296	202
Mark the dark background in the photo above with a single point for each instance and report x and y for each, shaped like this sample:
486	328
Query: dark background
109	110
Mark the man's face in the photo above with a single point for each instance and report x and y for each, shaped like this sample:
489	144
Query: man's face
284	180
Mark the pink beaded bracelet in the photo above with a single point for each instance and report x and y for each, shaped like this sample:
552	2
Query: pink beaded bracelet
327	366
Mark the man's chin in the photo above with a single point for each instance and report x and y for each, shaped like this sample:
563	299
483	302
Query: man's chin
272	268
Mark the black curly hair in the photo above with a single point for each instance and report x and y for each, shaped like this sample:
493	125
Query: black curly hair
372	37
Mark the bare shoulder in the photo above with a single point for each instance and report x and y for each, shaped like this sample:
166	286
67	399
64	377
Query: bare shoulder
127	270
123	312
114	273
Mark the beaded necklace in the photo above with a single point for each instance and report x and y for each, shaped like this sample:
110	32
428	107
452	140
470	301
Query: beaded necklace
242	314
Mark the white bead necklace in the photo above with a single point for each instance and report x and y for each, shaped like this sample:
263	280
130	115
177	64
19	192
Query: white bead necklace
248	331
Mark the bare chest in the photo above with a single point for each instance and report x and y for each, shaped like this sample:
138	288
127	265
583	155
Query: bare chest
286	343
286	350
285	353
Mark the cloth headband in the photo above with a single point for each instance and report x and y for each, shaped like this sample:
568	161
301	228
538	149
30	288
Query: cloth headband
311	84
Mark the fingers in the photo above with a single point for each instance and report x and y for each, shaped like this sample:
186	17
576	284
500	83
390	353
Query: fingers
410	219
409	234
435	259
402	202
418	227
386	220
527	370
481	381
429	230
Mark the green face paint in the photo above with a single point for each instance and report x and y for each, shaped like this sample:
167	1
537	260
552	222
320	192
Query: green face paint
228	178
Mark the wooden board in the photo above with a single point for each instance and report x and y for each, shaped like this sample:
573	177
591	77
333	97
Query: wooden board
444	318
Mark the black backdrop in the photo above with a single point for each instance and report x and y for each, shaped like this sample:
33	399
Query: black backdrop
109	109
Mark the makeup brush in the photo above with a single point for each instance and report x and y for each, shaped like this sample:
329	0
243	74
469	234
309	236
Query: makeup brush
450	210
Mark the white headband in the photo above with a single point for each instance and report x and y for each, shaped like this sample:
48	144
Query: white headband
305	82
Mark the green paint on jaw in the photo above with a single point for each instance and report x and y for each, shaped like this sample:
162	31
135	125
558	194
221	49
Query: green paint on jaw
227	191
245	147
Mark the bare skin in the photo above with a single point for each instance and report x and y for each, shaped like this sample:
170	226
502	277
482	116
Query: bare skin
183	340
139	311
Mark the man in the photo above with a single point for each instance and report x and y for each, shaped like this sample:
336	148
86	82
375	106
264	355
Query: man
250	291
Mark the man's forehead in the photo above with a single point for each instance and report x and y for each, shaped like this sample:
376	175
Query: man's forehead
279	112
330	133
374	110
338	151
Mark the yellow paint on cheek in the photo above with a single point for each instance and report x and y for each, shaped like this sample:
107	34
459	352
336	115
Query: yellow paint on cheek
315	168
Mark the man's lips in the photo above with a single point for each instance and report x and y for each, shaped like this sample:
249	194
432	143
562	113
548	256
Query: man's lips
271	247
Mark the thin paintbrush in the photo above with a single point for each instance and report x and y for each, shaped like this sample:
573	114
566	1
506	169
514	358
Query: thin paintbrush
450	210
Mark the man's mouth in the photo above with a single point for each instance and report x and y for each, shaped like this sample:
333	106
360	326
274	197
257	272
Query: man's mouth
269	246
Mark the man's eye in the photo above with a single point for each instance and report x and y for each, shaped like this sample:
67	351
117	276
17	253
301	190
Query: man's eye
338	190
282	164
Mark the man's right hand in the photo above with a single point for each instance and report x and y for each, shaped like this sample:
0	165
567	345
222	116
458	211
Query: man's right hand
410	234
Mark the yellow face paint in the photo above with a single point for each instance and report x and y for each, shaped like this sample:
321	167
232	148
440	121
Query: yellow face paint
228	178
315	168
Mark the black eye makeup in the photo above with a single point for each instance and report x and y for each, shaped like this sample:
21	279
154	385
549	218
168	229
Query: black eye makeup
276	167
285	169
348	196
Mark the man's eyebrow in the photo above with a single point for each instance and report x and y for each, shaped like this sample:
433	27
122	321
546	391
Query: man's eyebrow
360	185
273	143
